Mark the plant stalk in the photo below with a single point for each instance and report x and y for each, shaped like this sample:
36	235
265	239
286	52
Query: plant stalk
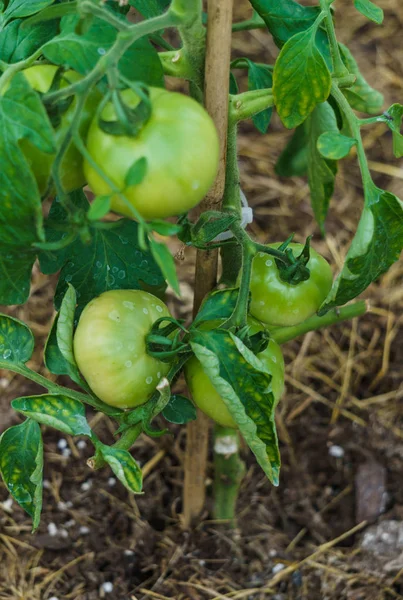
229	470
285	334
216	89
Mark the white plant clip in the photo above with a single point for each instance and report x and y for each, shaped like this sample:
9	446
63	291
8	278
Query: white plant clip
246	219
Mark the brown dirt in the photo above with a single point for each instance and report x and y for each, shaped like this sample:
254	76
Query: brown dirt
340	424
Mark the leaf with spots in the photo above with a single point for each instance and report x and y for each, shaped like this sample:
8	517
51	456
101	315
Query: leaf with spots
301	79
217	305
16	342
334	145
21	466
55	410
111	260
376	245
124	466
243	382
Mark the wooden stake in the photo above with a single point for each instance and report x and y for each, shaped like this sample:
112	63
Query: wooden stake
218	55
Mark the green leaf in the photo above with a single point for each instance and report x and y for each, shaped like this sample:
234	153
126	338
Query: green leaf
21	466
24	8
81	52
334	145
361	96
393	118
111	260
376	245
294	158
17	41
137	172
369	10
16	341
301	79
179	410
260	77
22	116
321	171
150	8
55	410
166	263
217	305
15	274
243	382
53	358
286	18
52	13
124	466
65	334
165	227
100	206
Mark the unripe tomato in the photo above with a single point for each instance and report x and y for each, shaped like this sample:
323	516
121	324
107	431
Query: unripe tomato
180	144
276	302
40	77
207	398
110	346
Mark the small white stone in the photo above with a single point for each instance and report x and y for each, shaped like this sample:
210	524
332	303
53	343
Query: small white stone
63	533
272	553
7	504
128	553
84	530
66	452
64	505
277	568
69	523
111	481
87	485
81	444
107	587
52	529
336	451
46	484
62	444
54	598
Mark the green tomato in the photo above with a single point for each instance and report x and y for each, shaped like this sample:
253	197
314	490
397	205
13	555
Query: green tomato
40	77
110	346
277	303
180	144
209	400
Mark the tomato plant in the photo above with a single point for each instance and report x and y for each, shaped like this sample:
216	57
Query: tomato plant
180	145
110	346
277	302
85	96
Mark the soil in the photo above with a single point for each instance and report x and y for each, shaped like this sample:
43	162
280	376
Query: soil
340	424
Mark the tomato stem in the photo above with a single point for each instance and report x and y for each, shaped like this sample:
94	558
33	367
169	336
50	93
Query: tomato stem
229	471
285	334
339	68
246	105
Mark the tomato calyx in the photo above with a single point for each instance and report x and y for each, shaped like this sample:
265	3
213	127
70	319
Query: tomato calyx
295	270
210	224
164	342
130	121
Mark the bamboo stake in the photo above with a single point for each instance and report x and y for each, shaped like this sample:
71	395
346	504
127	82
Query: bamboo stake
218	54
